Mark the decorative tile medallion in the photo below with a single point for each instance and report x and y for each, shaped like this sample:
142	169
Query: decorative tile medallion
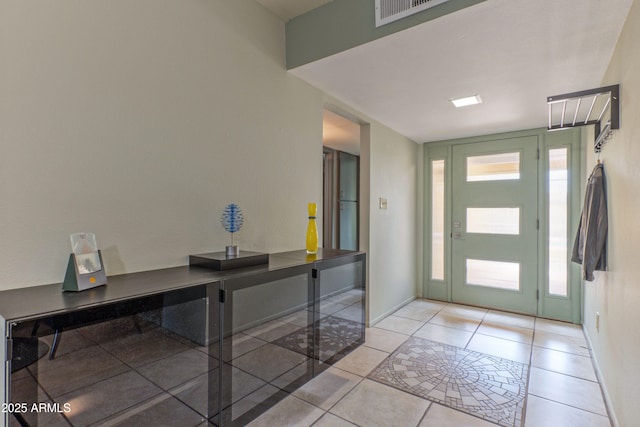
336	336
485	386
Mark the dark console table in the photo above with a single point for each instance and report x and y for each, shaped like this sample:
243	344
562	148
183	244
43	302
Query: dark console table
182	345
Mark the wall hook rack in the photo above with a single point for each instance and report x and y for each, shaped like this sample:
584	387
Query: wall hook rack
599	107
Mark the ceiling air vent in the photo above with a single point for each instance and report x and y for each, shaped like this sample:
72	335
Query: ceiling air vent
392	10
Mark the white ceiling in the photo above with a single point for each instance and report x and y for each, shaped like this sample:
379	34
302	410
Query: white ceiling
340	133
287	9
513	53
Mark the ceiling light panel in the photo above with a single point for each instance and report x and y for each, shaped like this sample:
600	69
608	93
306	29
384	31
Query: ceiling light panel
466	101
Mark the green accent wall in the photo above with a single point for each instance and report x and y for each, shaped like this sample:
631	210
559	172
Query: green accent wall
344	24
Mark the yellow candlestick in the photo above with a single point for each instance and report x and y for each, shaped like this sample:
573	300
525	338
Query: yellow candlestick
312	230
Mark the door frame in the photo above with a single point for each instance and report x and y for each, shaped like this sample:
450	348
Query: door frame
549	306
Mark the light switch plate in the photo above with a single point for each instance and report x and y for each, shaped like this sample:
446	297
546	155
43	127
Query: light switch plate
383	203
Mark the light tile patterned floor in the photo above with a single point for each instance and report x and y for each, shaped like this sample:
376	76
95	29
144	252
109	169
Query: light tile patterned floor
553	379
485	386
457	344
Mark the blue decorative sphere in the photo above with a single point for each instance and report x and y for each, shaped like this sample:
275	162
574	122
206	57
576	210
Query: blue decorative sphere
232	218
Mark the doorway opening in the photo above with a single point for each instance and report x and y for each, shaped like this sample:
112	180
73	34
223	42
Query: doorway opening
341	181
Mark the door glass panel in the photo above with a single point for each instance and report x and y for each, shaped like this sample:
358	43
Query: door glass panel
558	208
493	220
493	167
494	274
437	219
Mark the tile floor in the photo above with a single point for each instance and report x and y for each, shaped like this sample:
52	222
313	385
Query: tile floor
541	371
428	364
485	386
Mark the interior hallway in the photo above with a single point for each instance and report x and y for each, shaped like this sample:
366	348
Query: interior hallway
472	357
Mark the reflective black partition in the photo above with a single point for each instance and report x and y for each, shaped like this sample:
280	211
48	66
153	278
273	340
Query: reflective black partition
284	327
265	349
139	362
184	346
340	308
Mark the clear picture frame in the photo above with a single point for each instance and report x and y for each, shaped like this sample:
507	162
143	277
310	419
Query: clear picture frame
85	248
85	269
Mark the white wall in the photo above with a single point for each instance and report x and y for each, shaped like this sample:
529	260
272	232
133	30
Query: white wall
140	120
615	294
392	238
393	233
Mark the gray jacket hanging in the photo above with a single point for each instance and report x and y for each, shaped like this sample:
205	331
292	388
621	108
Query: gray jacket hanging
590	246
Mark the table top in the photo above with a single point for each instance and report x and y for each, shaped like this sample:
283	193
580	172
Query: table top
45	300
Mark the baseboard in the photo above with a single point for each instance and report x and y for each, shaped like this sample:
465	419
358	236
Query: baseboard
393	309
603	385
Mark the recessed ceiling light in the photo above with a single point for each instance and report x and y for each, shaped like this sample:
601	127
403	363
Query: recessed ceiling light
468	100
